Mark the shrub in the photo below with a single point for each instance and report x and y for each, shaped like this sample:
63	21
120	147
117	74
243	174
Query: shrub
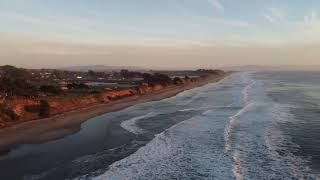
9	112
44	109
157	78
17	87
32	108
50	89
77	86
177	81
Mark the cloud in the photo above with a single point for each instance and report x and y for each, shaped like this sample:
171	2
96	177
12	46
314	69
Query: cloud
216	4
311	26
275	15
311	18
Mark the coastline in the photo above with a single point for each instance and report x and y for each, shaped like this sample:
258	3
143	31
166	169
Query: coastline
59	126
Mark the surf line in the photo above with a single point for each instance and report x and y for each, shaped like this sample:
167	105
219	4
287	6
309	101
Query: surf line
245	91
231	125
237	168
232	119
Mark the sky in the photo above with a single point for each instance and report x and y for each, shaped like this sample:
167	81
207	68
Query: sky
159	33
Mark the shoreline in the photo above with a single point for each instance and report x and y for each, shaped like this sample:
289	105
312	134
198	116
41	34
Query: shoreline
59	126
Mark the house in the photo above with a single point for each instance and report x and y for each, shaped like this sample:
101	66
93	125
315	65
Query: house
64	88
2	72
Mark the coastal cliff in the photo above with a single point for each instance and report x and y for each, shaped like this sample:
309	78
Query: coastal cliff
24	109
18	109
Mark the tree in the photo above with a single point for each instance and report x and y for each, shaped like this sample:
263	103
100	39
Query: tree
157	78
177	81
13	72
91	73
77	86
125	73
18	87
58	74
44	109
8	113
50	89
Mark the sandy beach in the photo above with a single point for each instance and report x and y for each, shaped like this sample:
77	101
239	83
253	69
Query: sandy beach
43	130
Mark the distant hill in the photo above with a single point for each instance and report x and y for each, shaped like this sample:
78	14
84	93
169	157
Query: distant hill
101	68
13	72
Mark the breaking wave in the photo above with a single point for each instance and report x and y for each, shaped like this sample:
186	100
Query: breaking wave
130	125
236	138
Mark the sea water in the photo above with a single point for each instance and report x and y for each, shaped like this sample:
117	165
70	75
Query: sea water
252	125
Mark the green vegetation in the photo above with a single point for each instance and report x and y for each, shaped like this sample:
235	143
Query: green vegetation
77	86
17	87
50	89
13	72
157	78
129	74
32	108
8	113
210	71
177	81
44	109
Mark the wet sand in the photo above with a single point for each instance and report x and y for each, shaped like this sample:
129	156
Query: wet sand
56	127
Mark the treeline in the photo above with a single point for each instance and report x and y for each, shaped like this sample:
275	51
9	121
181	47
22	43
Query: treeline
13	72
17	87
211	71
157	78
13	82
21	87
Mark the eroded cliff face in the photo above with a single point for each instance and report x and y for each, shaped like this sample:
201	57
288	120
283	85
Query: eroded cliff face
61	104
16	110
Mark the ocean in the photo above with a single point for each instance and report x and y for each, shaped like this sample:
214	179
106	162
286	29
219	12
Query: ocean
251	125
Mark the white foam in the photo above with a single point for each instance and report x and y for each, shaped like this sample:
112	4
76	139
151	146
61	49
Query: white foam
275	139
208	111
143	160
131	124
210	146
181	152
246	90
189	109
266	114
231	125
237	168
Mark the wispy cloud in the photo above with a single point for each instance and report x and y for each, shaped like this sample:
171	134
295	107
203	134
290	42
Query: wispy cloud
196	18
275	15
311	17
216	4
311	26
